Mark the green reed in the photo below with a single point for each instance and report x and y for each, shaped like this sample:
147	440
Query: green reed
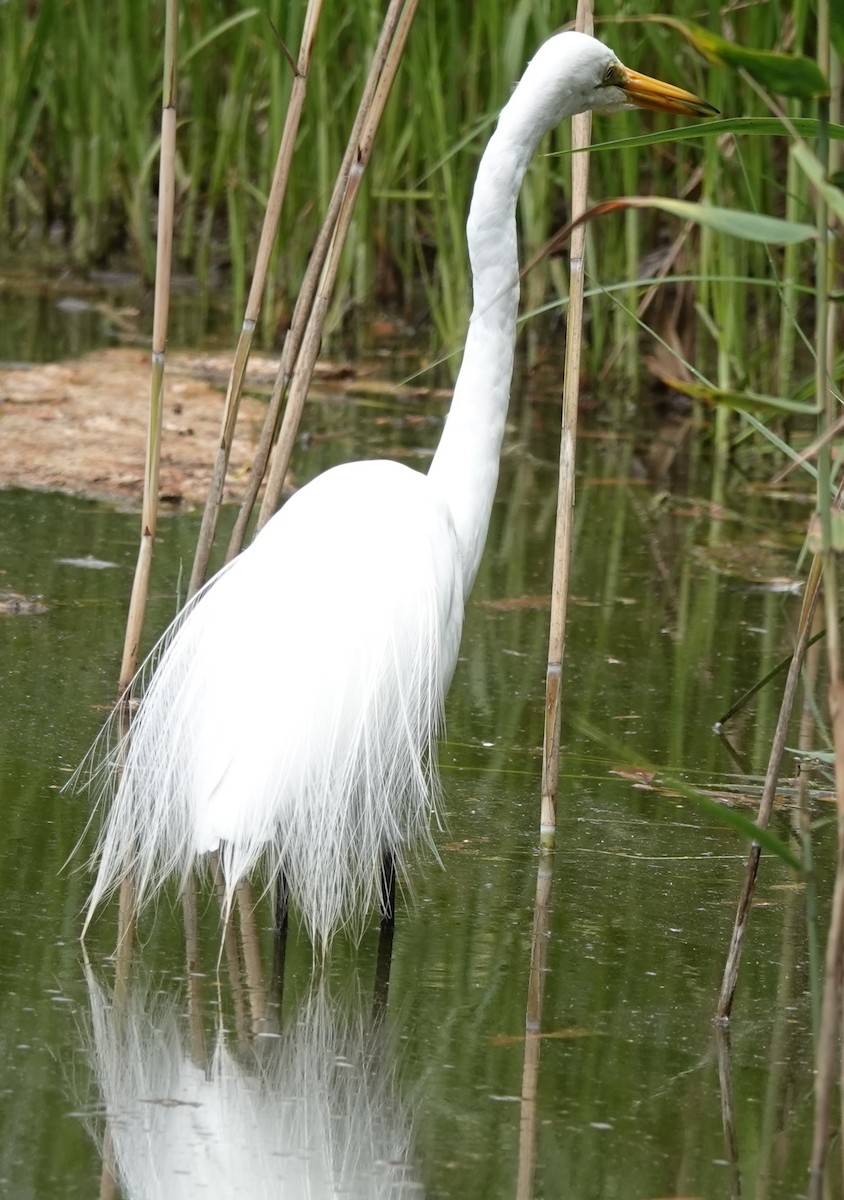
78	137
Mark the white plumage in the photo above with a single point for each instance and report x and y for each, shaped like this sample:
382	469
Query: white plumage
283	708
292	709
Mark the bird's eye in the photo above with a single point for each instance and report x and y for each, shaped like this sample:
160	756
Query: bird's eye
610	75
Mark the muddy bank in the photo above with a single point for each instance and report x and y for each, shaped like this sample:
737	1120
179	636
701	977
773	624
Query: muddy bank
80	426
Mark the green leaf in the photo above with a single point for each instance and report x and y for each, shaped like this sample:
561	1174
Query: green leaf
786	74
807	127
836	27
750	226
720	812
827	757
784	448
218	31
814	172
742	401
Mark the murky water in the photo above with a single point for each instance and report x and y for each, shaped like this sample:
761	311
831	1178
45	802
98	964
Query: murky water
433	1090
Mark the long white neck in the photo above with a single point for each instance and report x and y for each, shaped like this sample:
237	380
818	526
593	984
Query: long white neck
465	466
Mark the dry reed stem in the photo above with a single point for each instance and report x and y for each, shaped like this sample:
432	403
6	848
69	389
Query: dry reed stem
828	1039
125	914
728	1112
250	942
269	230
826	1057
149	515
164	255
397	25
766	802
580	136
529	1113
829	1052
835	74
108	1174
305	300
193	969
230	950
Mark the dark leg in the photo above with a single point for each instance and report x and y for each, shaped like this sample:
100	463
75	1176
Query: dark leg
388	889
279	952
382	973
282	897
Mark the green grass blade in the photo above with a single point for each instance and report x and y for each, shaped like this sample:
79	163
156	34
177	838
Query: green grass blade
745	126
812	169
786	74
720	812
742	401
218	31
750	226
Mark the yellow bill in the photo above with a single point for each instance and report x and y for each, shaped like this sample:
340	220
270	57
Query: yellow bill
645	92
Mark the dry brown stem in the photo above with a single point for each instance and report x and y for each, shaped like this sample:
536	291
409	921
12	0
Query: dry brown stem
581	134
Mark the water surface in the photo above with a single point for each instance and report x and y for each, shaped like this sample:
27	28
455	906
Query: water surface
424	1094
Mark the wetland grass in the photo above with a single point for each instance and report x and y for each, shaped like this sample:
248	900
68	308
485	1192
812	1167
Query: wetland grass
75	153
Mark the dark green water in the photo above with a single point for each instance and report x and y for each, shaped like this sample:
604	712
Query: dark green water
427	1097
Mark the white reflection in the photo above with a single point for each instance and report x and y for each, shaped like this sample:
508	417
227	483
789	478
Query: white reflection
311	1112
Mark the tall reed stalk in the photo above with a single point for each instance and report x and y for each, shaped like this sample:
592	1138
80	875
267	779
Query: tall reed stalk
829	1062
389	53
149	515
304	335
581	135
164	254
253	307
766	802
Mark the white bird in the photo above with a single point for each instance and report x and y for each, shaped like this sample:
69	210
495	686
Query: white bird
291	710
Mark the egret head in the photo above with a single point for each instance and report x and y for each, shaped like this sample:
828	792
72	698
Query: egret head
573	72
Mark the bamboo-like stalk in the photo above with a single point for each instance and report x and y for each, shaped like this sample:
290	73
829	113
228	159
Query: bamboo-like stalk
230	950
828	1054
580	136
108	1174
778	1054
397	26
149	515
251	944
766	803
806	740
303	337
193	970
836	275
161	312
528	1121
303	371
269	231
728	1108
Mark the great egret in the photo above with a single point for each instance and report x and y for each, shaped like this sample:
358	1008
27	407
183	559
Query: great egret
291	710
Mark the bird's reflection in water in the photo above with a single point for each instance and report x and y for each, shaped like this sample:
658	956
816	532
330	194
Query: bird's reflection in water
312	1110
